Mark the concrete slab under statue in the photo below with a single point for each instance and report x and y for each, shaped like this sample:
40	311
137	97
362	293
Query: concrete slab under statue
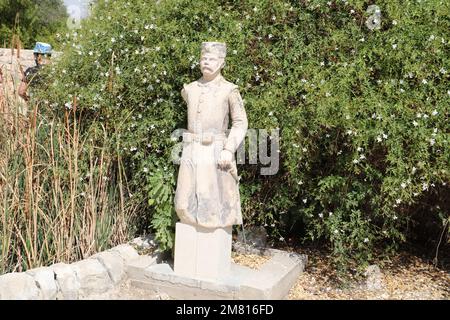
207	201
202	253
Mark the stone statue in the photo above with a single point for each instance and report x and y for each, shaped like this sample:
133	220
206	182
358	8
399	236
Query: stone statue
207	193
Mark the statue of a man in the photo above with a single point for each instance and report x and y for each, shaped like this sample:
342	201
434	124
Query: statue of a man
207	191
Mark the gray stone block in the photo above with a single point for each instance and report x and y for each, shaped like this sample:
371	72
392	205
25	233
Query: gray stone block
45	281
18	286
127	252
113	263
135	269
92	276
67	281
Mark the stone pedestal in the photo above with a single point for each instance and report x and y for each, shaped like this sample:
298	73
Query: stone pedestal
202	253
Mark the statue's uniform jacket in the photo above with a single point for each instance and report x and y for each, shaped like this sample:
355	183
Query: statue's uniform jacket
207	195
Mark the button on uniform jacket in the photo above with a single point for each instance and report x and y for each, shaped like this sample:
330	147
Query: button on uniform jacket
207	195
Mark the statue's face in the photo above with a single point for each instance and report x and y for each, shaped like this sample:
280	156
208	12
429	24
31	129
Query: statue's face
210	63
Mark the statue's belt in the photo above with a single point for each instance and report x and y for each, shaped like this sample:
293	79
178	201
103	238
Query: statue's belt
204	138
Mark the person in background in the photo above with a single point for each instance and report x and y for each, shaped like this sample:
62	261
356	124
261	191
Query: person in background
42	55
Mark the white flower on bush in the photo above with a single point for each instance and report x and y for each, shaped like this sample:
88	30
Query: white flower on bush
415	123
434	113
403	185
432	141
424	186
321	215
133	149
330	213
424	81
336	231
355	161
379	139
366	240
305	200
145	169
394	46
113	40
394	22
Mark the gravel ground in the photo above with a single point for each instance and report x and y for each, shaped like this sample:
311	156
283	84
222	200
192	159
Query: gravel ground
404	277
249	260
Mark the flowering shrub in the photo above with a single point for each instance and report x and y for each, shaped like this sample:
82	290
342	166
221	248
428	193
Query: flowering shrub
360	98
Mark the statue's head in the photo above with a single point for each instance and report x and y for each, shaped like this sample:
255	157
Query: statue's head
212	58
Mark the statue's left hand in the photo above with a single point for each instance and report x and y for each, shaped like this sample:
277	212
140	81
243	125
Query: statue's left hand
225	159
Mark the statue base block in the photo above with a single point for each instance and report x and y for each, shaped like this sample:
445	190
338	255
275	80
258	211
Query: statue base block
272	280
202	253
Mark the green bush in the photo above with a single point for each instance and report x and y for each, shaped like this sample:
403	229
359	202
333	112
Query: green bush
362	113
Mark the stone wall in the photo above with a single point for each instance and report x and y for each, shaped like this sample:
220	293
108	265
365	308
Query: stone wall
97	274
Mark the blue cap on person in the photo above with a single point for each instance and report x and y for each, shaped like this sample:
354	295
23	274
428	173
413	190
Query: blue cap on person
42	48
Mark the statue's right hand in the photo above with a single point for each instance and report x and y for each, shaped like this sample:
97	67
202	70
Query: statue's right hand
225	159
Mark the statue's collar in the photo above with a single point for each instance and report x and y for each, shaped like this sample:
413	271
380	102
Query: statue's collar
212	83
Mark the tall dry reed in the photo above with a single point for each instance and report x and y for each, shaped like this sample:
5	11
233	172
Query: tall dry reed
62	193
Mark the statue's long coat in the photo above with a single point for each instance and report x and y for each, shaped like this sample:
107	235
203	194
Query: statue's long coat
207	195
